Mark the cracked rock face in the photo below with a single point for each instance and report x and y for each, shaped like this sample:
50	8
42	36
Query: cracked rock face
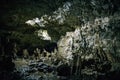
66	43
90	35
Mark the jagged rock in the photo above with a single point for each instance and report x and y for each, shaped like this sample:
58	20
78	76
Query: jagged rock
44	35
66	43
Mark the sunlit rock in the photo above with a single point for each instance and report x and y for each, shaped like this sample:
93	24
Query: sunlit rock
30	22
88	35
41	22
58	15
66	43
37	20
87	57
44	35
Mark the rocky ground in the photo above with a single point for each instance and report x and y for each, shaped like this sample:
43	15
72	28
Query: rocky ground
40	70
